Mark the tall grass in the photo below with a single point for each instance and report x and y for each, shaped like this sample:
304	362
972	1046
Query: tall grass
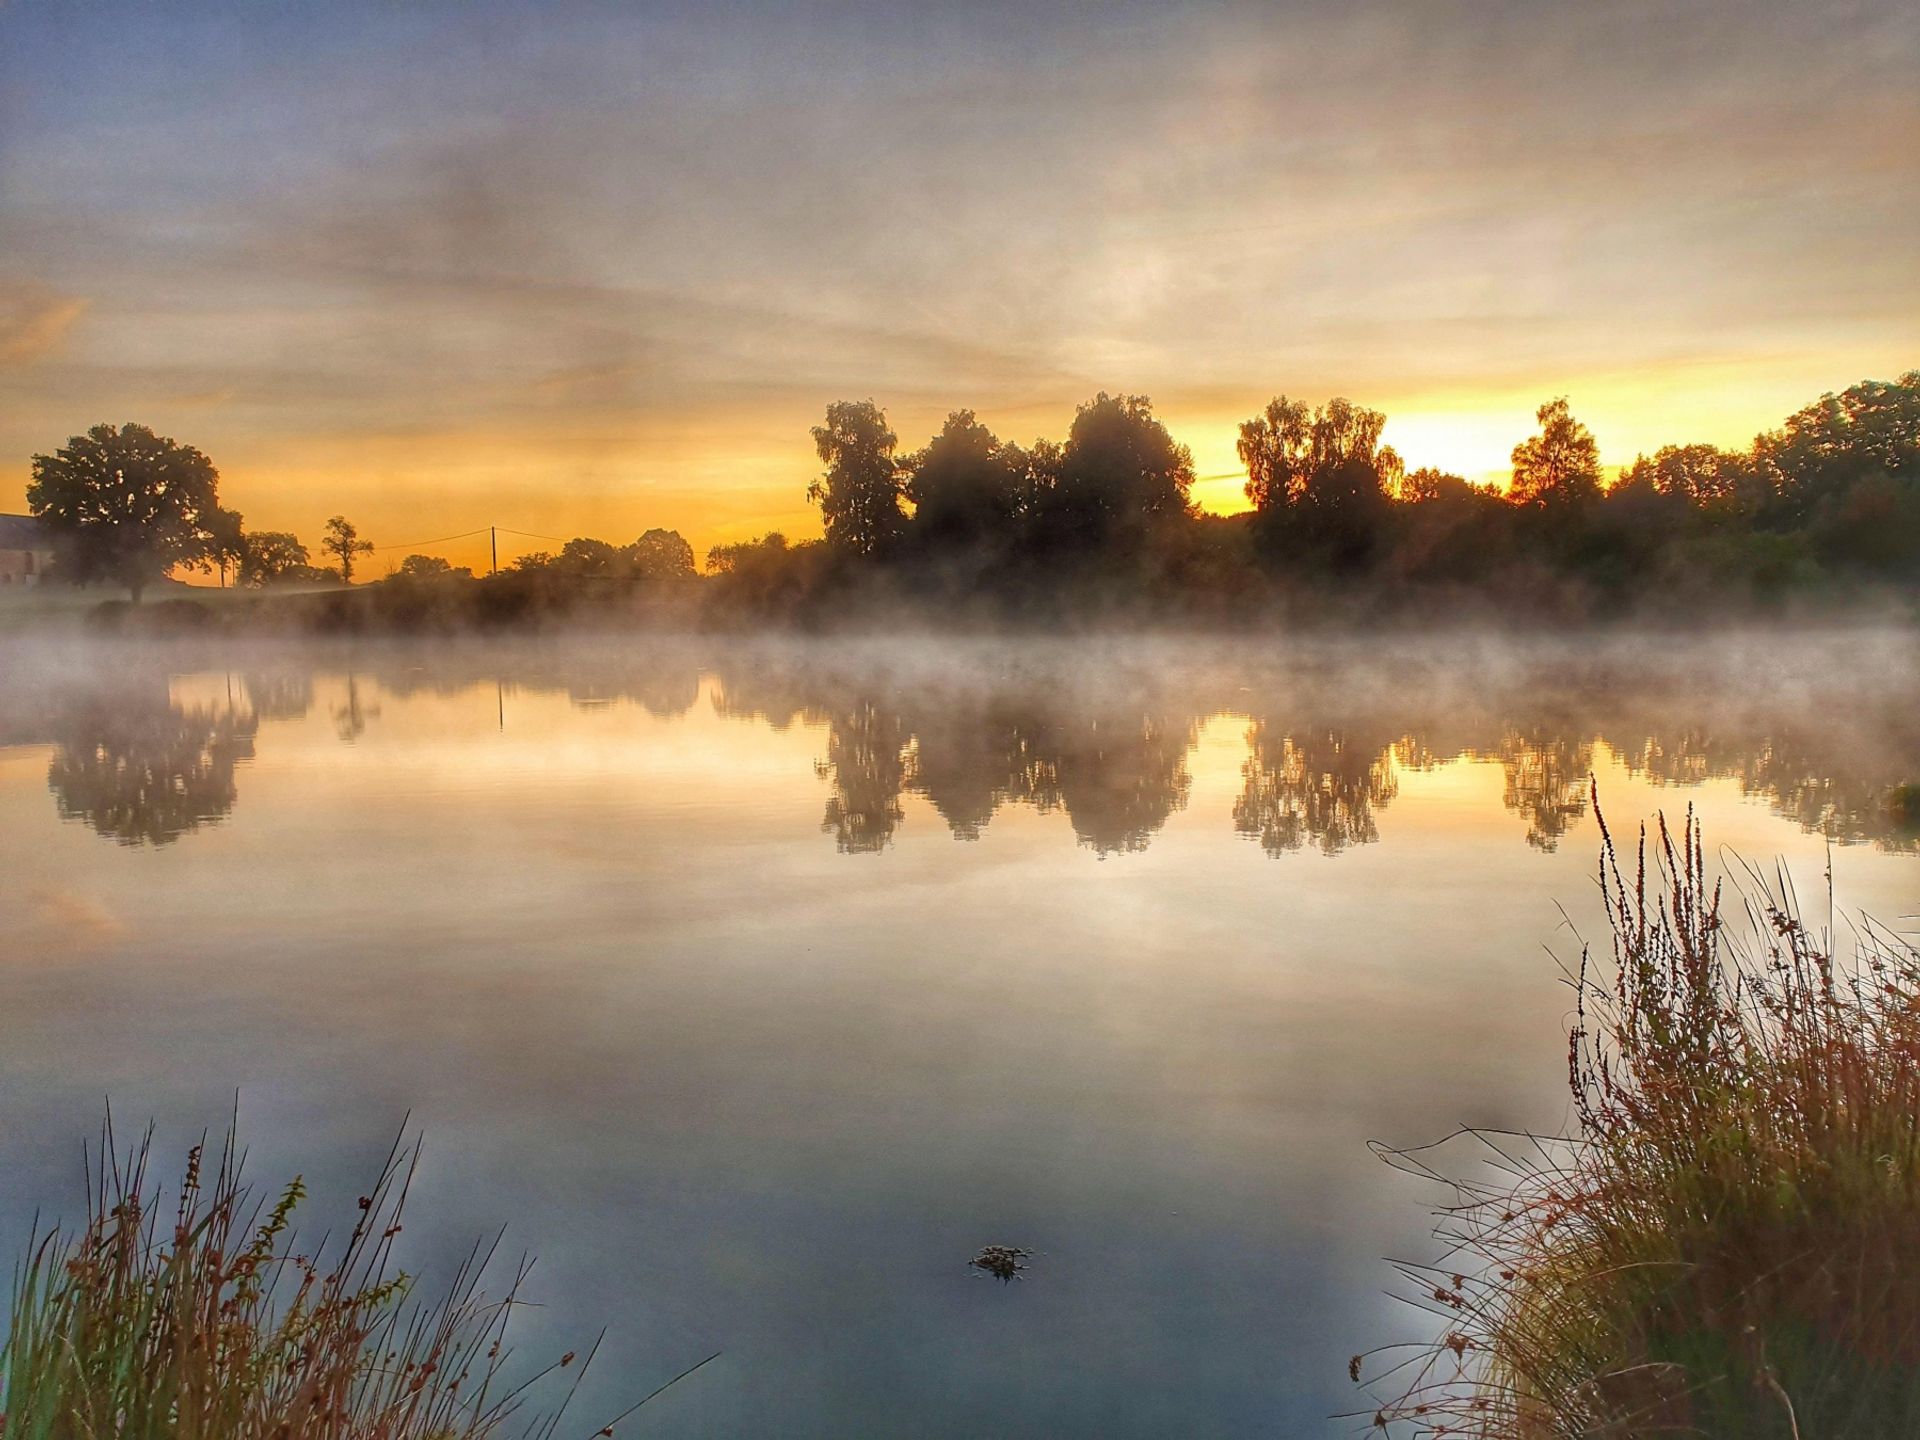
209	1320
1729	1246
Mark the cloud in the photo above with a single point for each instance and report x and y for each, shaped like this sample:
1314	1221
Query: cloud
628	248
33	322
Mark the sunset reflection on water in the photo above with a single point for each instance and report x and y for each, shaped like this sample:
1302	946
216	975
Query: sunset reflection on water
760	988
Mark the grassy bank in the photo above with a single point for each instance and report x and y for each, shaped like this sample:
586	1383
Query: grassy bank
208	1317
1730	1244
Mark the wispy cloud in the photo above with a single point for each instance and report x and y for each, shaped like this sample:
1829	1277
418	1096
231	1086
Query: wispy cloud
34	322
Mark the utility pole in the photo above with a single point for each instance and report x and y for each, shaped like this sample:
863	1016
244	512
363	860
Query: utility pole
493	539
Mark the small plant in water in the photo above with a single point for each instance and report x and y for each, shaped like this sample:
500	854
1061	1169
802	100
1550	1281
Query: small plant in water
1727	1246
1003	1262
215	1323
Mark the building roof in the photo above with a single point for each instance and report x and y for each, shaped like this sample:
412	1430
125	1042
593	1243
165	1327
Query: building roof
23	532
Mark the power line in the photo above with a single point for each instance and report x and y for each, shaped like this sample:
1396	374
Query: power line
531	535
419	544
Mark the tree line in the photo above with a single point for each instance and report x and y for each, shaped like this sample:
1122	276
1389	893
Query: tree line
129	507
1834	491
1832	495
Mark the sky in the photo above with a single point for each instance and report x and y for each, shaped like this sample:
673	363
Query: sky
591	268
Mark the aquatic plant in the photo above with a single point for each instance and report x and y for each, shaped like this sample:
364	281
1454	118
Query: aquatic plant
213	1322
1728	1244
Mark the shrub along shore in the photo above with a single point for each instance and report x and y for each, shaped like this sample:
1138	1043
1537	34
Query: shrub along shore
207	1318
1728	1245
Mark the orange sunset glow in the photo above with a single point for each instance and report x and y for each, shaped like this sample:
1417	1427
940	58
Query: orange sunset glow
594	271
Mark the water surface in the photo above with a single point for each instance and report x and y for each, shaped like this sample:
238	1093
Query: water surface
759	986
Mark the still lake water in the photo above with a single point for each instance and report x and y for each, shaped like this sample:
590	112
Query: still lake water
757	987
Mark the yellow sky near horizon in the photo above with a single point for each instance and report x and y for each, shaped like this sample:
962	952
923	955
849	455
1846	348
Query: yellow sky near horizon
716	487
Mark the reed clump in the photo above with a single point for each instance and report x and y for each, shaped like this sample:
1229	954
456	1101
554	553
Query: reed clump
207	1319
1729	1245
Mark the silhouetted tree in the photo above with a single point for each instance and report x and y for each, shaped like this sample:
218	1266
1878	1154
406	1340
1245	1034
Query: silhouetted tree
343	542
1319	480
660	555
725	559
1561	465
964	485
1822	450
859	496
1276	446
1120	476
584	557
226	543
1846	470
128	505
1035	475
270	555
1427	486
1287	448
1449	531
430	567
1713	481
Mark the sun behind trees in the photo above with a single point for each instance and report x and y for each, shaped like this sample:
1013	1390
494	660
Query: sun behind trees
976	528
1829	504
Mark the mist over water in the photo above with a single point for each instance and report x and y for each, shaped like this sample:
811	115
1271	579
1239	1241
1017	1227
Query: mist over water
759	984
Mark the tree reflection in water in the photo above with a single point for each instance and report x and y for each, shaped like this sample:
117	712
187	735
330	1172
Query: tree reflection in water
141	770
1546	775
1313	784
1107	747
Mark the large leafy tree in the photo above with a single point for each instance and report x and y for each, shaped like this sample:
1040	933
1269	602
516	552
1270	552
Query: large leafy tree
1291	451
965	484
859	496
129	505
270	555
585	556
660	555
1846	471
1561	465
1319	479
1276	446
1716	481
1120	474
